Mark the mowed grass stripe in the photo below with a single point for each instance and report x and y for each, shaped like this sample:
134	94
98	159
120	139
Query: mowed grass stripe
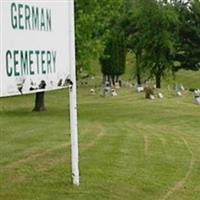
43	161
161	155
114	150
33	154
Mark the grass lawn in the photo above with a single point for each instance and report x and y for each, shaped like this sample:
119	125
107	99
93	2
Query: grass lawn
130	148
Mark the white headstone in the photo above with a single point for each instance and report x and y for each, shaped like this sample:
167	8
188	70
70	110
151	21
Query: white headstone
197	100
152	97
179	93
160	95
140	88
92	91
113	93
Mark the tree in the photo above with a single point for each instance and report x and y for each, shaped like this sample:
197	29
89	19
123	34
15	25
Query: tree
151	37
133	34
93	21
114	57
188	52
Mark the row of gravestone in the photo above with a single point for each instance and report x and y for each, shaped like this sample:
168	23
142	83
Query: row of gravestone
178	91
105	92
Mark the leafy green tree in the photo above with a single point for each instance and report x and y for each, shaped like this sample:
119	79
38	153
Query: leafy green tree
134	41
151	37
114	57
188	51
93	22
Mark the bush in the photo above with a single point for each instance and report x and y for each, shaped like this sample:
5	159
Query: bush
148	92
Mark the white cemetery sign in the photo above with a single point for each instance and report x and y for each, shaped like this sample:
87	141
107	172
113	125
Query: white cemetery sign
37	53
35	45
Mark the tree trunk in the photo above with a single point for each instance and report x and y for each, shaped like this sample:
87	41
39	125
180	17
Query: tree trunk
138	79
109	79
113	80
104	79
117	78
39	102
158	80
138	57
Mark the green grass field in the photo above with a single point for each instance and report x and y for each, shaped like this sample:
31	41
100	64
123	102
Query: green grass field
130	147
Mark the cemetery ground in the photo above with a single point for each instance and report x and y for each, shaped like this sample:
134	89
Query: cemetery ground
130	147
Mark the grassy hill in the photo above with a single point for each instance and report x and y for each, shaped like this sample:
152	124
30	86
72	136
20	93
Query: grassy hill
189	78
130	147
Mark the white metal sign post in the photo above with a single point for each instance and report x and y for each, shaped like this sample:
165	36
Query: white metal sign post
38	54
73	108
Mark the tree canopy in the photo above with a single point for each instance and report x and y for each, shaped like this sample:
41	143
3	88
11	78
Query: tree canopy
164	35
93	23
188	51
114	56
